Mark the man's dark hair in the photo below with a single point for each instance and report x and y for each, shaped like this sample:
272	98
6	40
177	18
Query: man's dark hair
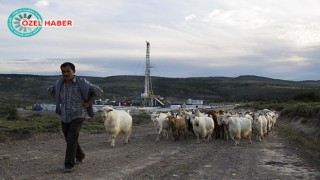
68	64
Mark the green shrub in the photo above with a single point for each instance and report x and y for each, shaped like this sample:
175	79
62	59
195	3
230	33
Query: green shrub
9	113
93	126
307	97
140	119
305	110
32	123
291	109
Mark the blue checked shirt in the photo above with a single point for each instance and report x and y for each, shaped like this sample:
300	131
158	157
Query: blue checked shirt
69	100
72	101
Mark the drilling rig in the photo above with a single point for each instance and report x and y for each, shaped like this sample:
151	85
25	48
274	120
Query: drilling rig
148	98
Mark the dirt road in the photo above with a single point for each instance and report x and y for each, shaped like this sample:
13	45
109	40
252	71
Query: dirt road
274	158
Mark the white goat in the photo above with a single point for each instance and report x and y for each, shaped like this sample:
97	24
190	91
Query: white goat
161	124
238	127
202	126
117	122
259	125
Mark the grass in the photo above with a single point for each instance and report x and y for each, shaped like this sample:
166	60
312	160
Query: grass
93	126
34	123
30	123
292	109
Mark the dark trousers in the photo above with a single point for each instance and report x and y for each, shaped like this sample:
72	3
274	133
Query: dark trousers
71	134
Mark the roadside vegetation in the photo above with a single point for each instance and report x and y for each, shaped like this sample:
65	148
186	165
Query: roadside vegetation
21	124
304	105
299	119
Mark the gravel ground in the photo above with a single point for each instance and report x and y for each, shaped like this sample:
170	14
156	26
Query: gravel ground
276	157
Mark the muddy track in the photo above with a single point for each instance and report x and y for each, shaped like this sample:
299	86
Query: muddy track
41	157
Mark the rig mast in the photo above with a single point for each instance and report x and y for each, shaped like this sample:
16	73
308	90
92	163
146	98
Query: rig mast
147	80
148	98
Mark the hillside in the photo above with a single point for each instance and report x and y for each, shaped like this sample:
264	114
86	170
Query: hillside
28	89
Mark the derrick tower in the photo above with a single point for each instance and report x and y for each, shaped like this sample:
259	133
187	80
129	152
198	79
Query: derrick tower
147	81
148	98
147	95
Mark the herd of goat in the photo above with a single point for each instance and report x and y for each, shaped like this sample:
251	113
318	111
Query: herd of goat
203	125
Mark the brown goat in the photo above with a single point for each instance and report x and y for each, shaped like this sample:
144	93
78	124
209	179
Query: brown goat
177	126
219	129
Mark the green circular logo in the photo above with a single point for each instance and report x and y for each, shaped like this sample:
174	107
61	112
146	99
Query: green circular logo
25	22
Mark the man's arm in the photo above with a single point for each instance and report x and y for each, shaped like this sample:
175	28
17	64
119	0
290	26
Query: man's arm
95	92
90	101
51	90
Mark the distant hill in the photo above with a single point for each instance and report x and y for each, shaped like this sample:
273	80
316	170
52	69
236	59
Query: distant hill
28	89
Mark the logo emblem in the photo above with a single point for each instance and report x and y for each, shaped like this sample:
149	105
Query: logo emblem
25	22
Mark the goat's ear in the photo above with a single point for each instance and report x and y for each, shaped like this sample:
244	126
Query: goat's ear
108	110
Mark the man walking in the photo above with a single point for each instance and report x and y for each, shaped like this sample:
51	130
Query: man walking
74	98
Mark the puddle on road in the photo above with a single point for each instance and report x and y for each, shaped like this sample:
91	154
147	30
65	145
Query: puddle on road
275	158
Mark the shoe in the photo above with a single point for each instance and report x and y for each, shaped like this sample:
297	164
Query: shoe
68	170
79	161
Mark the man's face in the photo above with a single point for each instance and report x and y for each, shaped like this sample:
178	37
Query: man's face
67	73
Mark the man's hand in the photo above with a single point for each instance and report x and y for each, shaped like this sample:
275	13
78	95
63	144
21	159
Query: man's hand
87	104
90	101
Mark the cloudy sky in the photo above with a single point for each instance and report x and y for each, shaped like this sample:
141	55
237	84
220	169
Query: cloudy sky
189	38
